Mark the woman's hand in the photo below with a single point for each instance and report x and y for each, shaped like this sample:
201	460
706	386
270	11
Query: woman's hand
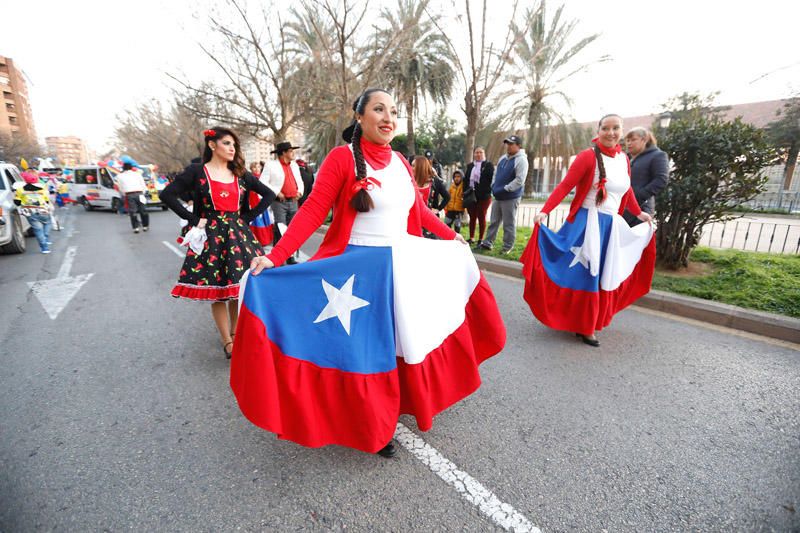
260	263
460	238
538	218
202	223
645	217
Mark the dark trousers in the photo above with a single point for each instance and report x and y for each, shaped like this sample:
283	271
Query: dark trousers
477	213
284	213
453	220
137	210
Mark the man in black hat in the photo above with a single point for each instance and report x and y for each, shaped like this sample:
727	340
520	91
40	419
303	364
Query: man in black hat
437	167
507	188
285	181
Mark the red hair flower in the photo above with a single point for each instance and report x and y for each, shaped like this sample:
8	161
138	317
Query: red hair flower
209	133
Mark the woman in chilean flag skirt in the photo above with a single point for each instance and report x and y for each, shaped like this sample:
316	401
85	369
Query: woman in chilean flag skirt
334	350
595	265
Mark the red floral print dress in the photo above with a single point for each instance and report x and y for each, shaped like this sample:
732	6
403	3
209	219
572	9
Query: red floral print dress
214	273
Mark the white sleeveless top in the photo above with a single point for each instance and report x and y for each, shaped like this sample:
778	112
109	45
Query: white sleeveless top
388	220
617	184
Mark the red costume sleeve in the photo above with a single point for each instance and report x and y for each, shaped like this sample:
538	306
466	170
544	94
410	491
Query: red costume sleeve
327	186
580	168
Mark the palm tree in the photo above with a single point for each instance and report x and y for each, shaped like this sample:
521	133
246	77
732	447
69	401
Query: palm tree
422	65
543	62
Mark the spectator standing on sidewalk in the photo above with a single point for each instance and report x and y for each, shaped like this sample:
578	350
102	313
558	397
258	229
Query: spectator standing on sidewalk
131	185
286	182
649	171
507	188
308	179
35	205
454	209
479	174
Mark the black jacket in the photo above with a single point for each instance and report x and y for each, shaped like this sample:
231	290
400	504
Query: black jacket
439	195
484	189
187	183
649	174
308	181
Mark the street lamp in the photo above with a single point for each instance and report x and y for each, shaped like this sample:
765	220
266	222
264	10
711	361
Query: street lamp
664	119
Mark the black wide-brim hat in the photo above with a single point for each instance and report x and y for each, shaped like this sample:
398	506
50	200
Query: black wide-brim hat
282	147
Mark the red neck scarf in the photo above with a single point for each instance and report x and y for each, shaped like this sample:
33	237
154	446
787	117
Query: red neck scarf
377	155
610	152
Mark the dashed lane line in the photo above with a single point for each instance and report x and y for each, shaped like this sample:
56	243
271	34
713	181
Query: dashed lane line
174	249
502	514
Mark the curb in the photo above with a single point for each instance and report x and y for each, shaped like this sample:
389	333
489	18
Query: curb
720	314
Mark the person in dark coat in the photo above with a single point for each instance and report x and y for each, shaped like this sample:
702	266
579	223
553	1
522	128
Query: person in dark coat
649	170
479	177
308	179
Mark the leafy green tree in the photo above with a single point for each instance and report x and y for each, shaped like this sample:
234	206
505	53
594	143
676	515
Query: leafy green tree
422	65
784	133
544	61
717	165
441	131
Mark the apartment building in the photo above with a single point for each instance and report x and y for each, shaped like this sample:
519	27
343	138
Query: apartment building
68	150
15	112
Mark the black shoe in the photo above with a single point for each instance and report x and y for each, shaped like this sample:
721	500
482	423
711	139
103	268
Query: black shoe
484	246
291	260
586	340
387	451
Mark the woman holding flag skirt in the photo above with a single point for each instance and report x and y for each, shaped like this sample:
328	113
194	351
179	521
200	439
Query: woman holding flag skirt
334	350
595	265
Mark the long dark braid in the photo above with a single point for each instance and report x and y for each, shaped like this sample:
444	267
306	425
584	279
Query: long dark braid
601	185
361	200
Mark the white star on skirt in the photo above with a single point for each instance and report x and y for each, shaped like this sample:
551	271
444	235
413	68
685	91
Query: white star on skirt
579	257
341	303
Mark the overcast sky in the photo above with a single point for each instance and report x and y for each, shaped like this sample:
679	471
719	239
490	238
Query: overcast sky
86	61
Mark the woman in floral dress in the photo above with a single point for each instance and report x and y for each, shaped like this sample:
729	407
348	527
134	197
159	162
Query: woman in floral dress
219	190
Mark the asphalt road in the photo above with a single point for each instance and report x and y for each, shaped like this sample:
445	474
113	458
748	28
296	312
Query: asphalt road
117	415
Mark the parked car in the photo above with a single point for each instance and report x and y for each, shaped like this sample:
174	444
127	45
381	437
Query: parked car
93	187
13	226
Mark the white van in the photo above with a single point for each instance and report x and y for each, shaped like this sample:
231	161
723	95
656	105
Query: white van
93	187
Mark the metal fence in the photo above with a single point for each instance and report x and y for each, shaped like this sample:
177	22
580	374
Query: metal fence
746	233
754	236
784	200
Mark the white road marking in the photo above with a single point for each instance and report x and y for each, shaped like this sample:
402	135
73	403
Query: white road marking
467	487
174	249
55	294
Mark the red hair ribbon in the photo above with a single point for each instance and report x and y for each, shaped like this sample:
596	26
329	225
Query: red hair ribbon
367	184
601	188
209	133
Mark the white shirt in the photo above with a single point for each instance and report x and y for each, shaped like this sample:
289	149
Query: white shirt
274	176
131	181
388	219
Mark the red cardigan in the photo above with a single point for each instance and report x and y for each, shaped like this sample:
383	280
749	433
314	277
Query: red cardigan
333	188
580	177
